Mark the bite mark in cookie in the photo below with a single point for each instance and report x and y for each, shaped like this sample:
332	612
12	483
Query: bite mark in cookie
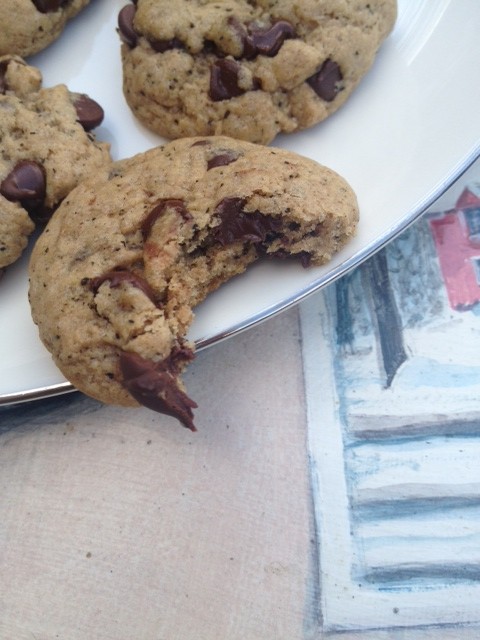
134	248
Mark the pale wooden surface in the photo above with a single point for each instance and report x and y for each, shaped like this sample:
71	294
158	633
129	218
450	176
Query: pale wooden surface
119	524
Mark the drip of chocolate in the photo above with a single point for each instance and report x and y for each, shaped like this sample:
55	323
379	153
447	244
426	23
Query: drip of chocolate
154	385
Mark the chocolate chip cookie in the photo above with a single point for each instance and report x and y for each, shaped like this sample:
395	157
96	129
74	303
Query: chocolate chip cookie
28	26
249	69
46	148
130	251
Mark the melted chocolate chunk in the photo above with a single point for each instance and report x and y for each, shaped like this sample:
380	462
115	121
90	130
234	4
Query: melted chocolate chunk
304	256
26	183
126	30
89	113
267	41
160	46
222	159
327	81
224	80
159	210
236	224
3	72
154	386
48	6
116	278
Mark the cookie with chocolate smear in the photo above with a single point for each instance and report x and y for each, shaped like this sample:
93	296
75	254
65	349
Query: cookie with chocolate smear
28	26
133	249
249	69
46	148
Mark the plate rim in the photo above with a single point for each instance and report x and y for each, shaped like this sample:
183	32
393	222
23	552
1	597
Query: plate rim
57	389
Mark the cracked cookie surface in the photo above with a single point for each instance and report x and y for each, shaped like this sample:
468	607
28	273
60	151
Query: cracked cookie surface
249	69
46	149
28	26
130	252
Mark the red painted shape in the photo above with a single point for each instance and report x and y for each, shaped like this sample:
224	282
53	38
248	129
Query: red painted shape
457	253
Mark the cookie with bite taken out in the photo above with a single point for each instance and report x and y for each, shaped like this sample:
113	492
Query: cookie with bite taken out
134	248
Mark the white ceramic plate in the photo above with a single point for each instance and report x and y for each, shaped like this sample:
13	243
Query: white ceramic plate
402	139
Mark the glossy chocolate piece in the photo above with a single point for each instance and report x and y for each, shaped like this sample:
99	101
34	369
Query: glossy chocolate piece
224	80
48	6
237	225
125	25
89	113
26	183
159	210
116	278
3	73
221	160
160	46
326	82
154	386
267	41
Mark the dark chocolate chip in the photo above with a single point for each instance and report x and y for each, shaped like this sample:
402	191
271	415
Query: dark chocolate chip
3	72
116	278
154	386
224	80
326	82
160	46
236	224
159	210
304	256
26	183
48	6
125	25
267	41
222	159
89	113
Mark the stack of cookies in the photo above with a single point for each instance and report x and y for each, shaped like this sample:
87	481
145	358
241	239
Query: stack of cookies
129	247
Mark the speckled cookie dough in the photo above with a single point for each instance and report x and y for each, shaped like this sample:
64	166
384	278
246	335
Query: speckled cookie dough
129	253
249	69
46	149
28	26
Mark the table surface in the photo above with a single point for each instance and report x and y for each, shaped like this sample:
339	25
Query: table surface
331	488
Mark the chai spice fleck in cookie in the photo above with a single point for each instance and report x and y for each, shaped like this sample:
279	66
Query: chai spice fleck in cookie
249	69
134	248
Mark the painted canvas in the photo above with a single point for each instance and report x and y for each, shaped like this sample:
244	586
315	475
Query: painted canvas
392	369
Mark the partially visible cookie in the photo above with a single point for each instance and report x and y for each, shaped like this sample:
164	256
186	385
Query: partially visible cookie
249	69
28	26
131	250
46	149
